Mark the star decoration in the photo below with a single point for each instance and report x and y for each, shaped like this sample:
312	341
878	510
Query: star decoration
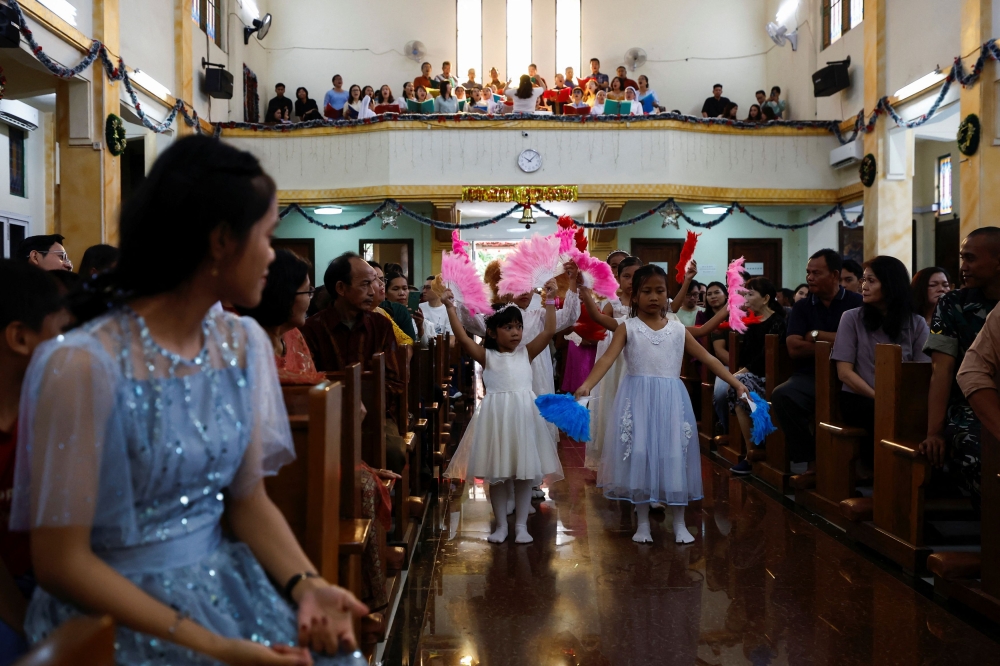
389	218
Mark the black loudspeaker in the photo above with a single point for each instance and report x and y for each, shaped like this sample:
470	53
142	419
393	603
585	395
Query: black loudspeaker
218	83
832	79
10	34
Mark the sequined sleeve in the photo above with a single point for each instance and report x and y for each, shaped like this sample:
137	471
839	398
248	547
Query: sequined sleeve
270	445
71	437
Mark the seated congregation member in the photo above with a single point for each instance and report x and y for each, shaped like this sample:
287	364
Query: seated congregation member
402	322
716	104
424	79
648	98
335	98
754	115
31	312
978	375
850	276
281	311
422	94
731	112
632	95
184	406
445	102
717	298
623	75
435	313
887	317
768	114
98	259
279	108
689	308
929	285
952	426
46	252
815	318
762	301
305	108
525	97
761	98
384	96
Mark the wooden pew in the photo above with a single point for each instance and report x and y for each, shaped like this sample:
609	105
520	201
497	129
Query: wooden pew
373	395
406	507
774	469
973	579
733	447
892	520
420	402
80	641
691	376
707	439
307	491
837	446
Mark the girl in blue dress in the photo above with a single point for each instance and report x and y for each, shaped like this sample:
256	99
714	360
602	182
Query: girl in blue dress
651	449
143	423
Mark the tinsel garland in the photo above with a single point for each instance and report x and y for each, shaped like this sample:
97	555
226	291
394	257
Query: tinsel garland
523	195
395	206
114	73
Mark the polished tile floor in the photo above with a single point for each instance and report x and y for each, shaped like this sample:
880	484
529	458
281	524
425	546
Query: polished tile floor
760	585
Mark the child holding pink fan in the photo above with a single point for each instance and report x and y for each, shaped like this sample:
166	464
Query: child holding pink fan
507	443
651	449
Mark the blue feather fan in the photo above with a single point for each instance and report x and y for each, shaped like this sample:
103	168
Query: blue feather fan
564	412
760	417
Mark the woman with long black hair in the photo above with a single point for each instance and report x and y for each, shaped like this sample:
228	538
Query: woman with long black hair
139	426
525	97
887	317
929	285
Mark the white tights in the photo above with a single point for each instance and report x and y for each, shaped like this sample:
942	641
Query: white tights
642	533
499	492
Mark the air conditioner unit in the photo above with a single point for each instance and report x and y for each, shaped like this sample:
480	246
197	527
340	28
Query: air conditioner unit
18	114
848	154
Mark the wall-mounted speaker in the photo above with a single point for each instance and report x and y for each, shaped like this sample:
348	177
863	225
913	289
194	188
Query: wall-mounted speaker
218	83
832	79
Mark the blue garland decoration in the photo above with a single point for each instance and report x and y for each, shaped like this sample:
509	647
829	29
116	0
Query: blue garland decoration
730	210
392	204
115	73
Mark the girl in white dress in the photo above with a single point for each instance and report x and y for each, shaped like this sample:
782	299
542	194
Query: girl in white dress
507	438
651	445
602	398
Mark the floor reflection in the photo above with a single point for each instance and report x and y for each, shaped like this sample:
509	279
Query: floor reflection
760	585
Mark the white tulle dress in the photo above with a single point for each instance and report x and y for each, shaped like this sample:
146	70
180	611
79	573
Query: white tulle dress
602	398
651	450
507	437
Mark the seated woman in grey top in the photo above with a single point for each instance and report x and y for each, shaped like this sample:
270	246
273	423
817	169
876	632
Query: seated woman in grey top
887	317
446	102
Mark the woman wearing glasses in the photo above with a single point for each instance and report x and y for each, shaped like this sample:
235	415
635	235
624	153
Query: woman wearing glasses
282	311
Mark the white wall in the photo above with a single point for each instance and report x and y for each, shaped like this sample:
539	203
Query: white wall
147	39
920	35
31	206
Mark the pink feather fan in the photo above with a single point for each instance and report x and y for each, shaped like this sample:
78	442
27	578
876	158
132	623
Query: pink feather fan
737	302
459	246
459	275
595	274
534	262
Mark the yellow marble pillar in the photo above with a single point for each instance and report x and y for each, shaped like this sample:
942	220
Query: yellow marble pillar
980	173
889	201
183	68
441	239
88	197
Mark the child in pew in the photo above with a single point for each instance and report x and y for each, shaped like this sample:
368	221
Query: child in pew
887	317
762	300
31	312
507	438
651	452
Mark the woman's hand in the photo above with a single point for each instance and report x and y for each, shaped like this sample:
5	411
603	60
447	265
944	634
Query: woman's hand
741	390
692	269
239	652
387	475
582	392
326	614
448	299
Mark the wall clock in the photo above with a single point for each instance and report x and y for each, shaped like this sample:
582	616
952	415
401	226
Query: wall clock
529	161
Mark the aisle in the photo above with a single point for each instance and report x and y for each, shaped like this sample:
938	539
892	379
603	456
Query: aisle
759	586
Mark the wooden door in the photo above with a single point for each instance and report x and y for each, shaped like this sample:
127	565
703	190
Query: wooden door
663	251
305	248
947	239
766	251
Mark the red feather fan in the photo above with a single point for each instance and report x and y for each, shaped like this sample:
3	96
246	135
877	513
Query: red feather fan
566	222
687	252
751	318
581	239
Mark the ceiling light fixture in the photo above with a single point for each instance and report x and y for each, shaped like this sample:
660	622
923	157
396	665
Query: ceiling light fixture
714	210
329	210
921	84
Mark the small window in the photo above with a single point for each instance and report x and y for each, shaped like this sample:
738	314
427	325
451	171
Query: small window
839	16
368	251
568	37
14	231
209	15
469	21
944	182
16	142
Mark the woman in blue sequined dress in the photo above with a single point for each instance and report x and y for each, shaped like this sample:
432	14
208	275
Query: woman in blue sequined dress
139	426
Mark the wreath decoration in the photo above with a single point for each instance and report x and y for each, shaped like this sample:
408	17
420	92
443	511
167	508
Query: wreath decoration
114	135
969	133
868	170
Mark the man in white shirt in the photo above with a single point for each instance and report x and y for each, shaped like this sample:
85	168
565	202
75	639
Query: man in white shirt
434	311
